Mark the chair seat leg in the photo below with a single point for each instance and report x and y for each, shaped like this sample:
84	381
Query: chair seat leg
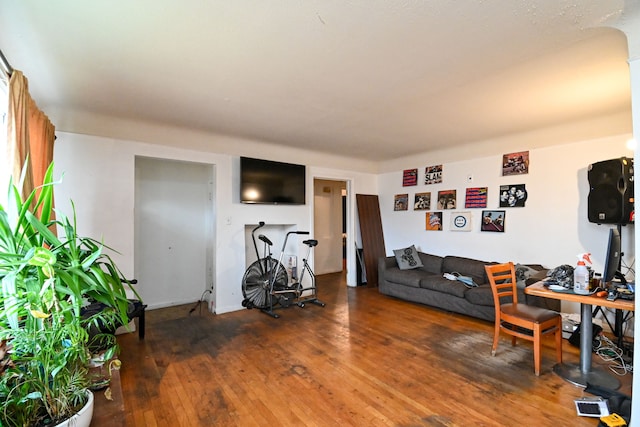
496	338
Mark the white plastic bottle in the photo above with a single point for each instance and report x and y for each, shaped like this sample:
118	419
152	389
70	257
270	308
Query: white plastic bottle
581	279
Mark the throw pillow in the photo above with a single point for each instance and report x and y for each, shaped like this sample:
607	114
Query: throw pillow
407	258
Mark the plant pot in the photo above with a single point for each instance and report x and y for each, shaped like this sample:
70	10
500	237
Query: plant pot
83	417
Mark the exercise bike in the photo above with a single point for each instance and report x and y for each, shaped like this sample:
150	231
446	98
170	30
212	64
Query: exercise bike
265	284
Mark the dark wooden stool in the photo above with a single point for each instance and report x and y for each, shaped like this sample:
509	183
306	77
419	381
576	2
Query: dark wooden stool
136	309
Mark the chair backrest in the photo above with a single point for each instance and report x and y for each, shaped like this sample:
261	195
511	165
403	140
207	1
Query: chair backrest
502	278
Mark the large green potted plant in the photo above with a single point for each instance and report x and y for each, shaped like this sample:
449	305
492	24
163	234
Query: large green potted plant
46	282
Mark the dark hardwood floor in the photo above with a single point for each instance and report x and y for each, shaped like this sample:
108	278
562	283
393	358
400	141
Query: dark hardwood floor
364	360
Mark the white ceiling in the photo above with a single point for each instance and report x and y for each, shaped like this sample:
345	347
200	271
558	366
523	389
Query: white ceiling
372	79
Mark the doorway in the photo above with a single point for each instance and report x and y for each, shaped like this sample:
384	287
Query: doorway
173	223
330	225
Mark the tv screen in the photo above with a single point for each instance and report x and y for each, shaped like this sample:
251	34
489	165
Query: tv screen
613	257
266	181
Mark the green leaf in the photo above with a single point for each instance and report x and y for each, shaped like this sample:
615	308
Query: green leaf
42	229
34	395
42	256
10	301
46	195
89	261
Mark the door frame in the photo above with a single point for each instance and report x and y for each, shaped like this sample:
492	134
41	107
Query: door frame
350	223
209	233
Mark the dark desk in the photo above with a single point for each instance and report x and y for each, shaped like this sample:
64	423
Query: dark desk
584	373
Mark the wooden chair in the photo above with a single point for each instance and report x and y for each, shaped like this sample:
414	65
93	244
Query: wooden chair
520	320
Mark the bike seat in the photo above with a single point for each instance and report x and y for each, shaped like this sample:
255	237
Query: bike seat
265	239
311	242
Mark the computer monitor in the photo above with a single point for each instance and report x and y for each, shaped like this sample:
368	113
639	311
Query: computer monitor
613	258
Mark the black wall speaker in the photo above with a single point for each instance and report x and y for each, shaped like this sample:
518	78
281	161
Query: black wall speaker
611	191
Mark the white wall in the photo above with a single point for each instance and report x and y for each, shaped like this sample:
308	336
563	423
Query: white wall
99	178
550	230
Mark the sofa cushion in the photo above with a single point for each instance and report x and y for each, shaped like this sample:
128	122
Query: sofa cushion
407	258
481	295
431	263
466	267
405	277
440	284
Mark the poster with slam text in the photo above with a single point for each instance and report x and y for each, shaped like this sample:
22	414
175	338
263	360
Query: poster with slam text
433	174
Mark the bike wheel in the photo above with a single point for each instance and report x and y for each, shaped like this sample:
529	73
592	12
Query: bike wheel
256	285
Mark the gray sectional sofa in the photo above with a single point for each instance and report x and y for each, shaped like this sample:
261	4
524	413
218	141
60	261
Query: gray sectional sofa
426	285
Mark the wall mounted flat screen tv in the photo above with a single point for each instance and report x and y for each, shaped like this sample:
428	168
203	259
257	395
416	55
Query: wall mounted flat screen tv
269	182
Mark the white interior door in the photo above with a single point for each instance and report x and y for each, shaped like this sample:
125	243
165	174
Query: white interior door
327	228
173	230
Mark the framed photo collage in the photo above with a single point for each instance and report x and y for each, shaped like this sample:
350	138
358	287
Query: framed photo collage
436	202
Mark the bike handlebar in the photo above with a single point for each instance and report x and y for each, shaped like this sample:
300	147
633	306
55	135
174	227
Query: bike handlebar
266	240
262	224
286	237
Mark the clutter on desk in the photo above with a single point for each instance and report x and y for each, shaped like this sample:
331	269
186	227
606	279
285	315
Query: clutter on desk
581	276
562	276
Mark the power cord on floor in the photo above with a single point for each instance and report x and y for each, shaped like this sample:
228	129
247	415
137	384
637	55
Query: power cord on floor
609	352
200	301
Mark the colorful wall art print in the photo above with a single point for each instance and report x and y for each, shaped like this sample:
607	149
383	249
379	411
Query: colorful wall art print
513	196
422	202
434	221
433	174
515	163
446	199
460	221
476	198
401	202
410	177
493	221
